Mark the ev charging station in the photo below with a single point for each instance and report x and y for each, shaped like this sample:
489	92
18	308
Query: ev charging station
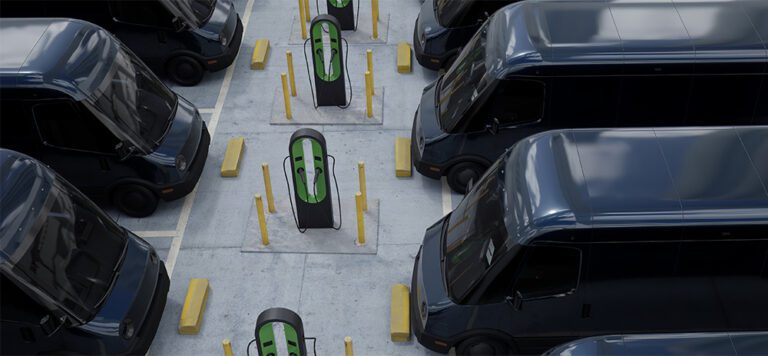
311	179
292	327
329	82
344	12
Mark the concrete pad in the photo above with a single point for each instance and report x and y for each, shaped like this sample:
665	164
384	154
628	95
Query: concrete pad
304	112
284	237
363	35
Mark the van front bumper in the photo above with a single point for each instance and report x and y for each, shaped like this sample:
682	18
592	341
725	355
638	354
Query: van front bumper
427	169
426	60
183	188
152	321
218	63
424	338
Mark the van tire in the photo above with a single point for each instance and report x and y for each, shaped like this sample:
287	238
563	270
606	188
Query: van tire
185	70
460	174
135	200
481	345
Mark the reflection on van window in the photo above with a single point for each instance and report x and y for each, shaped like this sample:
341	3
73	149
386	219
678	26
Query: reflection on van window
549	271
121	89
463	83
62	125
70	252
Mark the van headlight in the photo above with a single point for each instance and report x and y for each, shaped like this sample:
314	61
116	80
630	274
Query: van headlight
223	39
127	330
181	163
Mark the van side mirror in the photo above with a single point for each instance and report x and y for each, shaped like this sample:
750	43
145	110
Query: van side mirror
50	324
516	301
124	150
493	127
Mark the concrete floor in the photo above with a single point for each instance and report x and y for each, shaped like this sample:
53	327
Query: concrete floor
201	236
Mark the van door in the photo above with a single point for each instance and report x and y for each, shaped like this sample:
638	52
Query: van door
514	110
654	95
76	145
724	94
17	128
24	327
147	28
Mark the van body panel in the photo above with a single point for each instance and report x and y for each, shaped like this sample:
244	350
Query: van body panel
134	298
715	343
670	226
596	64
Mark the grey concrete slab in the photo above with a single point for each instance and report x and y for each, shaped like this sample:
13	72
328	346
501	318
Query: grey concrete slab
242	285
349	295
363	34
304	112
284	236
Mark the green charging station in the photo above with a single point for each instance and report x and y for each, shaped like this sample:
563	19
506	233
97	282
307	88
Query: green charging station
329	81
343	11
293	328
311	180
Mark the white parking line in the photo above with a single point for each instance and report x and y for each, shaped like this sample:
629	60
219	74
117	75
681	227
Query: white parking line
181	226
206	110
167	233
447	204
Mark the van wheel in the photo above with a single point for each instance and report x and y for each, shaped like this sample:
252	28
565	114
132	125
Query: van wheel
481	345
185	70
135	200
460	175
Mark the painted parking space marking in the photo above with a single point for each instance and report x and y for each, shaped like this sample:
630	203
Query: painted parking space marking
159	233
446	192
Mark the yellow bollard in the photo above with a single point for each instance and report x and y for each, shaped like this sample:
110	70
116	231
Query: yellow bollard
361	174
375	17
360	222
286	97
303	20
369	55
348	346
227	347
291	74
307	14
268	187
262	220
368	95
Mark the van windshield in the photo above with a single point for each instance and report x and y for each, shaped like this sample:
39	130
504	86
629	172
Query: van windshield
464	82
121	90
70	251
193	12
451	13
486	225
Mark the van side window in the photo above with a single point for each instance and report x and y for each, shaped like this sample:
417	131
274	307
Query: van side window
17	129
17	305
650	99
724	99
548	271
62	125
517	101
147	13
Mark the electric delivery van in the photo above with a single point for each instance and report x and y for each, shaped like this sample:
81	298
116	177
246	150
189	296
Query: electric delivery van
584	232
72	281
444	26
686	344
75	98
535	66
181	39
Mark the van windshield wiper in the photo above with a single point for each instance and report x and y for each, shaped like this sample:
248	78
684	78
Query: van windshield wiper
115	275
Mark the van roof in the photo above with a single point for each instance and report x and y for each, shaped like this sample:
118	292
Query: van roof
38	51
627	31
644	177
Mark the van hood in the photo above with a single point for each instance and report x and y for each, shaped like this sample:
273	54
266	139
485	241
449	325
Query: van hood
131	295
428	120
183	136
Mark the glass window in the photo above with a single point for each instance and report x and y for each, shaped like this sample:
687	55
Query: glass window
17	129
517	101
455	13
148	13
17	305
62	125
653	100
548	271
464	82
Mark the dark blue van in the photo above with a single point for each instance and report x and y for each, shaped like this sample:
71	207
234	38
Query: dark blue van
73	97
181	39
72	281
542	65
584	232
715	344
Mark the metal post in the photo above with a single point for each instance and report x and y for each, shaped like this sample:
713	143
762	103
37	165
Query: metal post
286	97
368	95
360	222
375	17
262	220
369	55
303	19
291	74
361	174
227	347
268	187
348	346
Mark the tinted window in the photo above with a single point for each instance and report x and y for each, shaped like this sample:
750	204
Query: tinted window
63	125
17	129
585	101
517	101
648	99
761	112
149	13
16	305
723	99
548	271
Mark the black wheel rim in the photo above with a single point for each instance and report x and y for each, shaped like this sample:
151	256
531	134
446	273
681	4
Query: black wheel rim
185	71
465	175
133	201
